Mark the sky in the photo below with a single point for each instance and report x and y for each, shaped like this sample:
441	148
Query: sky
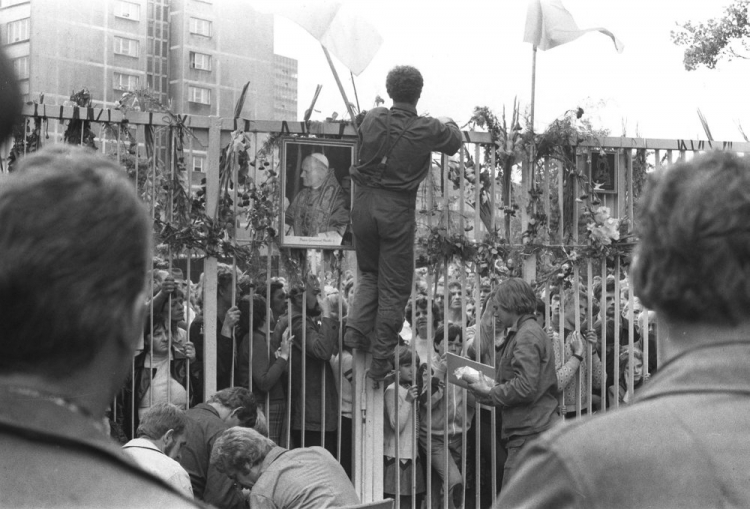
471	53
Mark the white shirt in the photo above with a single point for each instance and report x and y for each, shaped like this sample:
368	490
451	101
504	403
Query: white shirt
147	456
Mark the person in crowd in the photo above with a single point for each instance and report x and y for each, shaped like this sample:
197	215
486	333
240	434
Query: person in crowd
270	363
205	422
278	302
690	267
471	312
570	358
485	290
395	150
314	398
321	208
439	296
227	316
418	318
71	326
160	375
526	381
161	435
303	478
445	404
456	298
349	291
343	373
399	435
624	396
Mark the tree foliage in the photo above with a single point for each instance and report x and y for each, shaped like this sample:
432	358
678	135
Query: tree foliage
706	43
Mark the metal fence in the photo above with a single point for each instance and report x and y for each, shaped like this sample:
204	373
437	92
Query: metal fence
476	227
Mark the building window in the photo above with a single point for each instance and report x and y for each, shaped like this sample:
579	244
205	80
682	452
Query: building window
199	164
127	10
199	95
18	31
200	27
200	61
126	81
21	68
127	47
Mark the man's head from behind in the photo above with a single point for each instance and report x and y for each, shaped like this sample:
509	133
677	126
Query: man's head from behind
164	425
314	170
692	261
239	453
75	244
404	84
239	406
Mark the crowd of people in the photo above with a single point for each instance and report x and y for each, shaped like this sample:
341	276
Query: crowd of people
300	375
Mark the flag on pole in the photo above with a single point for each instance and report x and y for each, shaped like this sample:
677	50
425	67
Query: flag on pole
549	24
338	28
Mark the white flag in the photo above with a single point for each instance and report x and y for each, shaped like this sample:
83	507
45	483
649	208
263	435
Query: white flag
345	34
549	24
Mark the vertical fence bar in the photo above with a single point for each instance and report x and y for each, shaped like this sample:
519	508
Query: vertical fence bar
211	263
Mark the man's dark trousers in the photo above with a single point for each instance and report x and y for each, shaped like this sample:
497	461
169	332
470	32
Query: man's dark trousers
383	226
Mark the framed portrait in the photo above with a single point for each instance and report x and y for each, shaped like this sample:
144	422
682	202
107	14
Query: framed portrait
603	172
316	193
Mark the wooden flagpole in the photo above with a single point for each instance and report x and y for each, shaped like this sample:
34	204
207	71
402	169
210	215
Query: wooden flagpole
341	87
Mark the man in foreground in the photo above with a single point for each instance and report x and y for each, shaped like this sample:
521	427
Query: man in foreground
395	148
161	434
525	376
683	443
71	325
205	422
304	478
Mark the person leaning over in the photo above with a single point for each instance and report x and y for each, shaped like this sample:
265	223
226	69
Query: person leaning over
206	421
161	435
683	441
302	478
71	325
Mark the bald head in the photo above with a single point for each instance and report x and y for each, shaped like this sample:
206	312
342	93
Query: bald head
314	170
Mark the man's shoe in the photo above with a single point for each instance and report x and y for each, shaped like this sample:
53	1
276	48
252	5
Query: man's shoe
379	369
356	340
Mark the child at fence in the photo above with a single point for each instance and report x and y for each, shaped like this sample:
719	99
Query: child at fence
409	465
445	403
624	396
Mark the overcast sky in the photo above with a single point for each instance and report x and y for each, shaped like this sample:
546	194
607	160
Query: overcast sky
471	54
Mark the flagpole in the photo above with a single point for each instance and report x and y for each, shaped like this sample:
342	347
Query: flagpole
341	87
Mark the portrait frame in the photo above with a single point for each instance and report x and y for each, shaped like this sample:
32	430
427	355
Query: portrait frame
327	223
603	171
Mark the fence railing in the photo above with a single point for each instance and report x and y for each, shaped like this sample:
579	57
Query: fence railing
476	225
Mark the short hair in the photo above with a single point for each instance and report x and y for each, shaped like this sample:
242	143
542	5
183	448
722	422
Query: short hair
404	84
691	263
403	353
239	447
516	295
75	244
454	331
160	418
421	302
259	312
238	397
